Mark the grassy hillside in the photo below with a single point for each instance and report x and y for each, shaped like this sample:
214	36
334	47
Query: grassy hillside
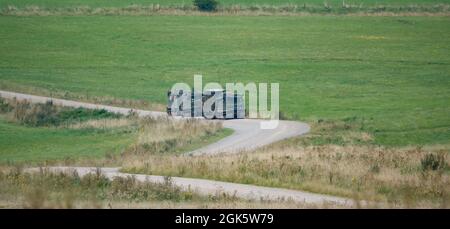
388	74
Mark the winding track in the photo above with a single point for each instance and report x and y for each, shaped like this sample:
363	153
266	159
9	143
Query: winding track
247	136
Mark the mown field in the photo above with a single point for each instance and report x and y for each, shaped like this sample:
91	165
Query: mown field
389	75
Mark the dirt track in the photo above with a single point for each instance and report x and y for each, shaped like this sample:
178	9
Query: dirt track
210	187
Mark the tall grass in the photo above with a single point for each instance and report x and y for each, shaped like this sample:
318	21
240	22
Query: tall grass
47	114
396	176
5	107
64	190
83	97
348	131
59	190
236	9
164	135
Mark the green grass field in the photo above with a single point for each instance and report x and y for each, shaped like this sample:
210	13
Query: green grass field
30	144
363	73
391	73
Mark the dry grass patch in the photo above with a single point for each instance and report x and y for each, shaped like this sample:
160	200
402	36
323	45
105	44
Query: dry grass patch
103	123
397	176
59	190
65	190
165	135
235	9
163	129
49	115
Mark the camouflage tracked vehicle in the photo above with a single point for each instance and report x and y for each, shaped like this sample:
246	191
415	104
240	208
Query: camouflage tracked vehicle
224	105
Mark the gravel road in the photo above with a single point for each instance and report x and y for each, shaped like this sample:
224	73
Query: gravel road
210	187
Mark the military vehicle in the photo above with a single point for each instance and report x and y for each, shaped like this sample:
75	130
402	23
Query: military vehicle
231	106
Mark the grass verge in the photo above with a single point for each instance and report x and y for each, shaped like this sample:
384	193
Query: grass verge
324	8
409	177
